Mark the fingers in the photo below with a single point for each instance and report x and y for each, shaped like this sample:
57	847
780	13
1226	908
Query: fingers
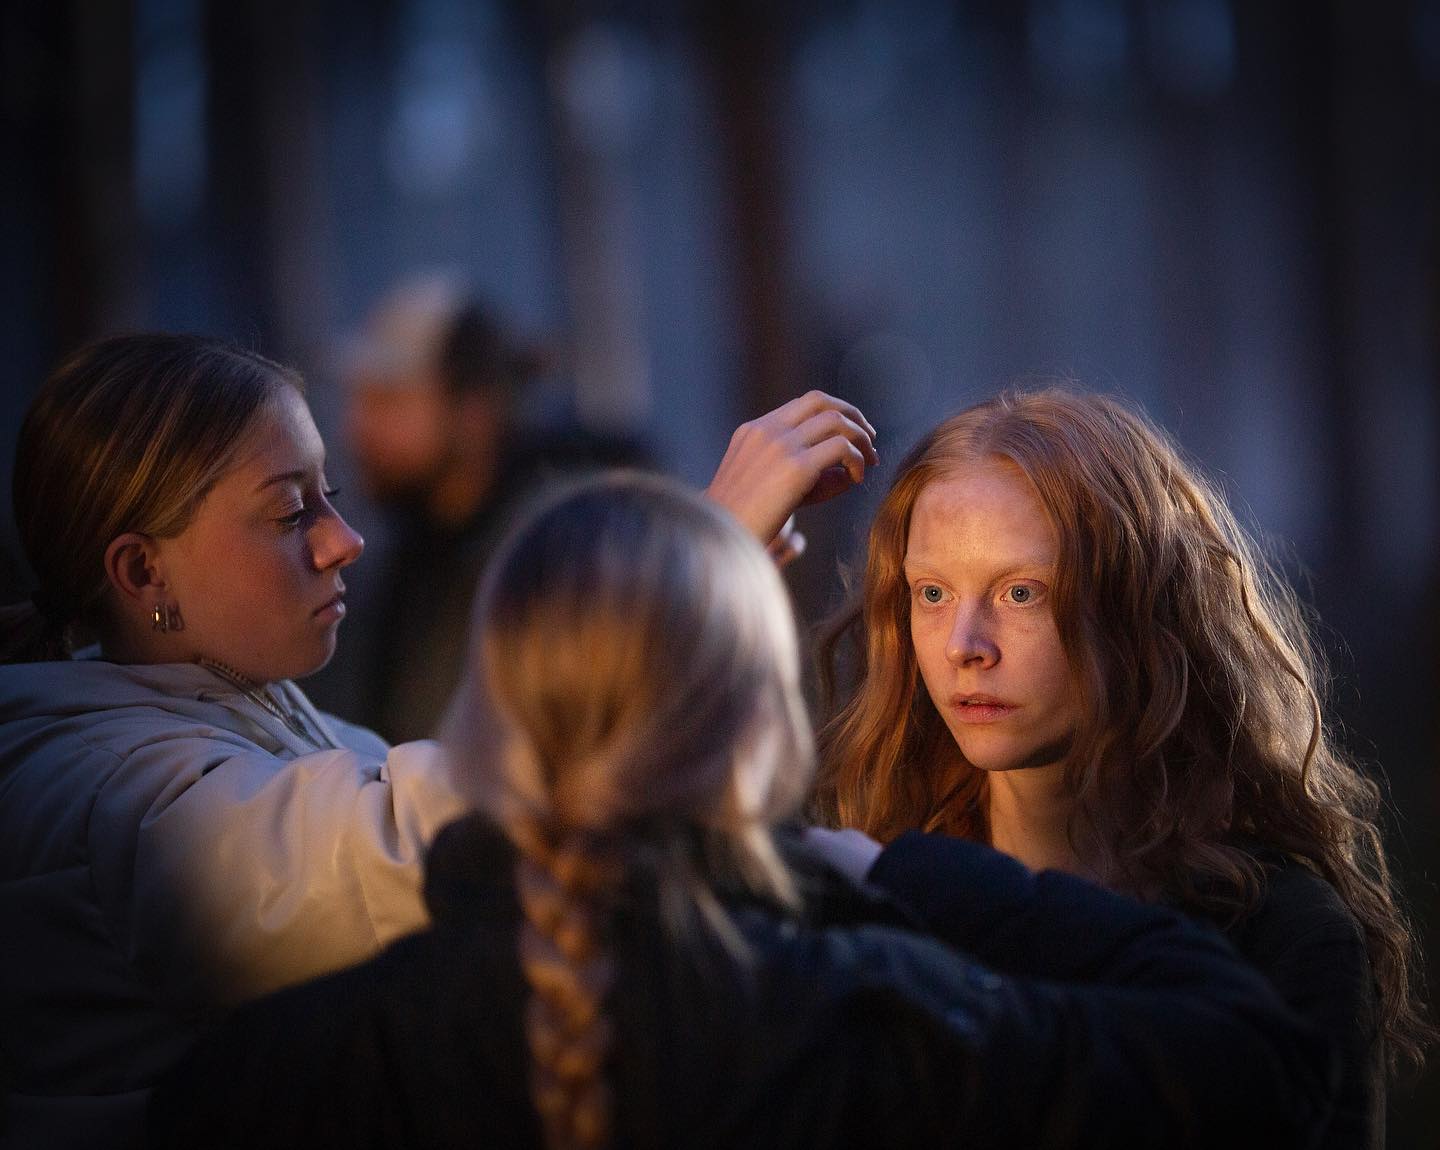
831	453
832	423
833	481
805	451
813	403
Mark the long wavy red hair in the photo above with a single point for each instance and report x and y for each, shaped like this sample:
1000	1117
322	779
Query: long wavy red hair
1202	739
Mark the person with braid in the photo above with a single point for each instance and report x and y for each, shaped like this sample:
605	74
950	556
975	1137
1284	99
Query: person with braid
628	951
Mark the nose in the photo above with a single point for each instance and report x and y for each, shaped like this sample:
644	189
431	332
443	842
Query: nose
971	642
335	543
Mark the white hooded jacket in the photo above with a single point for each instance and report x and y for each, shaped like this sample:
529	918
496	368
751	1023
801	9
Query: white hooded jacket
169	847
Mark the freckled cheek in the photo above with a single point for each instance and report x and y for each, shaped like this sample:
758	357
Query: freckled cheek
1060	687
928	642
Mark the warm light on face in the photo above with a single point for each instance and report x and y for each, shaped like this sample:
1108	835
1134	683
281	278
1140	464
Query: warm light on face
980	566
256	573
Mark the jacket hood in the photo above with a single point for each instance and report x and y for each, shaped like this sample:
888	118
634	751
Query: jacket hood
84	693
84	686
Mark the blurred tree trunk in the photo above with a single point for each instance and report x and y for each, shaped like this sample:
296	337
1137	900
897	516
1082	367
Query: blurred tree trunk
97	252
266	184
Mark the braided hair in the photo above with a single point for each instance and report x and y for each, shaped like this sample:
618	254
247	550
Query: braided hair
638	656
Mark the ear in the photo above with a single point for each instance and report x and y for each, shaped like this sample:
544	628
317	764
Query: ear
132	565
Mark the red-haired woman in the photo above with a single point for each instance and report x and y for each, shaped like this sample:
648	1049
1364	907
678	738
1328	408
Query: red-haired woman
1068	648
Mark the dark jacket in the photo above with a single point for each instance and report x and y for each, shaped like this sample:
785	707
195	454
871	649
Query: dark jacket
1306	941
845	1028
1301	937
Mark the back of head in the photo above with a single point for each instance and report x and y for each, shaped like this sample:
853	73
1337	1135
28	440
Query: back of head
639	650
431	386
128	434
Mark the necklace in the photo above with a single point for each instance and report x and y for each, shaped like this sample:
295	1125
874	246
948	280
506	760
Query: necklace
261	696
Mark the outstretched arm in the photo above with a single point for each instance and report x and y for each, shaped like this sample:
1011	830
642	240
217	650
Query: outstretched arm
1107	1022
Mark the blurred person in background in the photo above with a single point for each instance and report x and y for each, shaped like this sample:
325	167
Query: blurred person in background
434	390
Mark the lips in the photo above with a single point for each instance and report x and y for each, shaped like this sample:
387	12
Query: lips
335	604
979	708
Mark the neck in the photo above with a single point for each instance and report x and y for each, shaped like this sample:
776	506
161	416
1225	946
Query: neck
1029	813
224	670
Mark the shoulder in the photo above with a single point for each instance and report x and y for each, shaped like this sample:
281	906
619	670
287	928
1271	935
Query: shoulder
1313	950
1306	941
1298	910
98	737
469	874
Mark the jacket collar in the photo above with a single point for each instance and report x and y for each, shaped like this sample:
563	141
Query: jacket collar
470	877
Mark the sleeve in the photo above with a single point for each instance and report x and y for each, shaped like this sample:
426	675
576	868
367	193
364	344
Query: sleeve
1115	1023
249	872
984	902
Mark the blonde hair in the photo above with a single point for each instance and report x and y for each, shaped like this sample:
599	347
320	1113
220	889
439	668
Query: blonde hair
640	655
1202	737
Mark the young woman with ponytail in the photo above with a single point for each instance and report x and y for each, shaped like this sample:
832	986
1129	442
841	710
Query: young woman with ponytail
627	951
180	829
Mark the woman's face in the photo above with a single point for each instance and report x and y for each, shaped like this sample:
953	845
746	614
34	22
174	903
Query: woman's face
980	564
256	573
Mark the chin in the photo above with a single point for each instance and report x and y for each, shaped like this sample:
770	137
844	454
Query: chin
307	662
993	760
317	664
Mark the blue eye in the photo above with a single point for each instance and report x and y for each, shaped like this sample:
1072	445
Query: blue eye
1022	595
931	593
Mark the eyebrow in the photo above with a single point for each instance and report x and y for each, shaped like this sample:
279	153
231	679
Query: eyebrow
297	476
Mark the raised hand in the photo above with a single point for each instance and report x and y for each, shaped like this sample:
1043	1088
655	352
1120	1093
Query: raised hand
805	451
